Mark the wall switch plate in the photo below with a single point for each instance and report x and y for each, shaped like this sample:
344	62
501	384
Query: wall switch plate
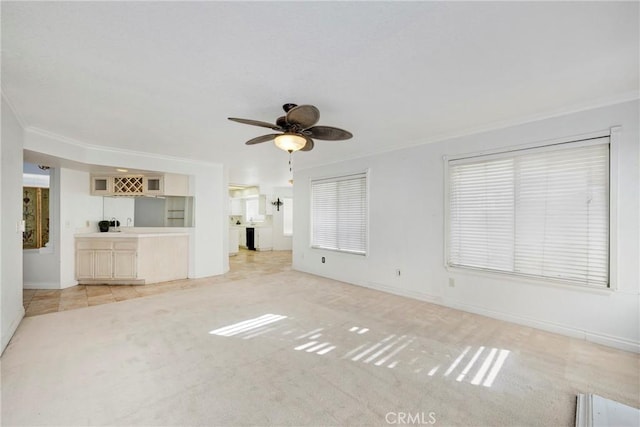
452	282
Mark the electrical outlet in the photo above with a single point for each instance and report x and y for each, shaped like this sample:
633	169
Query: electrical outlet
452	282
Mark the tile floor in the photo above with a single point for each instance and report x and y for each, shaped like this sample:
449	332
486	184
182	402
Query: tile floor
245	265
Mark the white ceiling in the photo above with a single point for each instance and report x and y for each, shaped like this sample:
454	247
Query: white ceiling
162	77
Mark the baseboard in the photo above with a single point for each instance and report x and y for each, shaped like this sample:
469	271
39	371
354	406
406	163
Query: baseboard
47	285
403	292
598	338
8	334
41	285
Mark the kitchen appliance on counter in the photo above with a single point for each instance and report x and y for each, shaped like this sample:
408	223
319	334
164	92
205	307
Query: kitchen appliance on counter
103	226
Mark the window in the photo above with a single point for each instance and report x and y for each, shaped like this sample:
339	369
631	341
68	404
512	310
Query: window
541	212
339	213
252	210
287	216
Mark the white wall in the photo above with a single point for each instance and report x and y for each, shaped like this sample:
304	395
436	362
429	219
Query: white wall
72	211
407	233
41	267
10	236
79	212
208	244
280	241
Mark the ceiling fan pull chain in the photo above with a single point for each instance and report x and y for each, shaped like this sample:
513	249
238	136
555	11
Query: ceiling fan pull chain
290	158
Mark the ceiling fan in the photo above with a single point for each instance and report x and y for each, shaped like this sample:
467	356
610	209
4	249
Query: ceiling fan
297	129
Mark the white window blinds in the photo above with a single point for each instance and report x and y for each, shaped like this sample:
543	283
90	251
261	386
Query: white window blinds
339	213
541	212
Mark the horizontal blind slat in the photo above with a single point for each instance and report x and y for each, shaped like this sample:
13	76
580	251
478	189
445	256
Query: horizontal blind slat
537	212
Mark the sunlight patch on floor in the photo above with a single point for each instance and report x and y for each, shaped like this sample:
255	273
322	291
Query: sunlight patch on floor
247	325
481	365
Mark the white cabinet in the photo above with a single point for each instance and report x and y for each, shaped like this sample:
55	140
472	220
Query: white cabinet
124	265
139	185
243	237
235	206
262	204
263	238
101	260
153	185
85	264
101	185
175	185
131	259
102	264
234	240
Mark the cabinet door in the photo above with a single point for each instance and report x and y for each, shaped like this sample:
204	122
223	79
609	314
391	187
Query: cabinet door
124	265
102	264
236	207
101	185
84	264
243	237
153	185
264	238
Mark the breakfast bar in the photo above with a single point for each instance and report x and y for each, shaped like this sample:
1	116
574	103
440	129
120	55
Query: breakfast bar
131	258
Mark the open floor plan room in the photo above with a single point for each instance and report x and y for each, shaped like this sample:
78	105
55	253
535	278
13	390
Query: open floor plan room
291	348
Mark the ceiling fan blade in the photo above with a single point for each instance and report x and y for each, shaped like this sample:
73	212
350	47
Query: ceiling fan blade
263	138
309	145
255	123
303	115
329	133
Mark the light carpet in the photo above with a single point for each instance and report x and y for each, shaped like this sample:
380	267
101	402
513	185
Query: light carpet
296	349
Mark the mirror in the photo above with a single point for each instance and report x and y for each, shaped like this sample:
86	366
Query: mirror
167	211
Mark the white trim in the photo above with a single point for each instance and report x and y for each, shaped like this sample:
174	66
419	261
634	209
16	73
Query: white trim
41	285
545	144
494	126
101	148
530	280
593	138
594	337
584	410
614	171
11	329
12	107
604	339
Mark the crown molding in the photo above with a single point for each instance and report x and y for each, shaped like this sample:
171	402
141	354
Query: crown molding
112	150
629	96
12	107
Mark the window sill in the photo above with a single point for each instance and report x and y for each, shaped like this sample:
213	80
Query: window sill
547	282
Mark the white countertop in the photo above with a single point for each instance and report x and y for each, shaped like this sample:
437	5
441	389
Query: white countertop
119	234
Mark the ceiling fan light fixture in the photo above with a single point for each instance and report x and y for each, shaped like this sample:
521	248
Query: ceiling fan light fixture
290	142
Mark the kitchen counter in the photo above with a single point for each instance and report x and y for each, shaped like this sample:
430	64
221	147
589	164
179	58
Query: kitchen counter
131	258
128	234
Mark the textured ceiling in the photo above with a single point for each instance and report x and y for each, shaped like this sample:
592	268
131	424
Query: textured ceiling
162	77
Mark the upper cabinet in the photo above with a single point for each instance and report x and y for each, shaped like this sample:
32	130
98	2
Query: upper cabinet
101	185
140	185
153	184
